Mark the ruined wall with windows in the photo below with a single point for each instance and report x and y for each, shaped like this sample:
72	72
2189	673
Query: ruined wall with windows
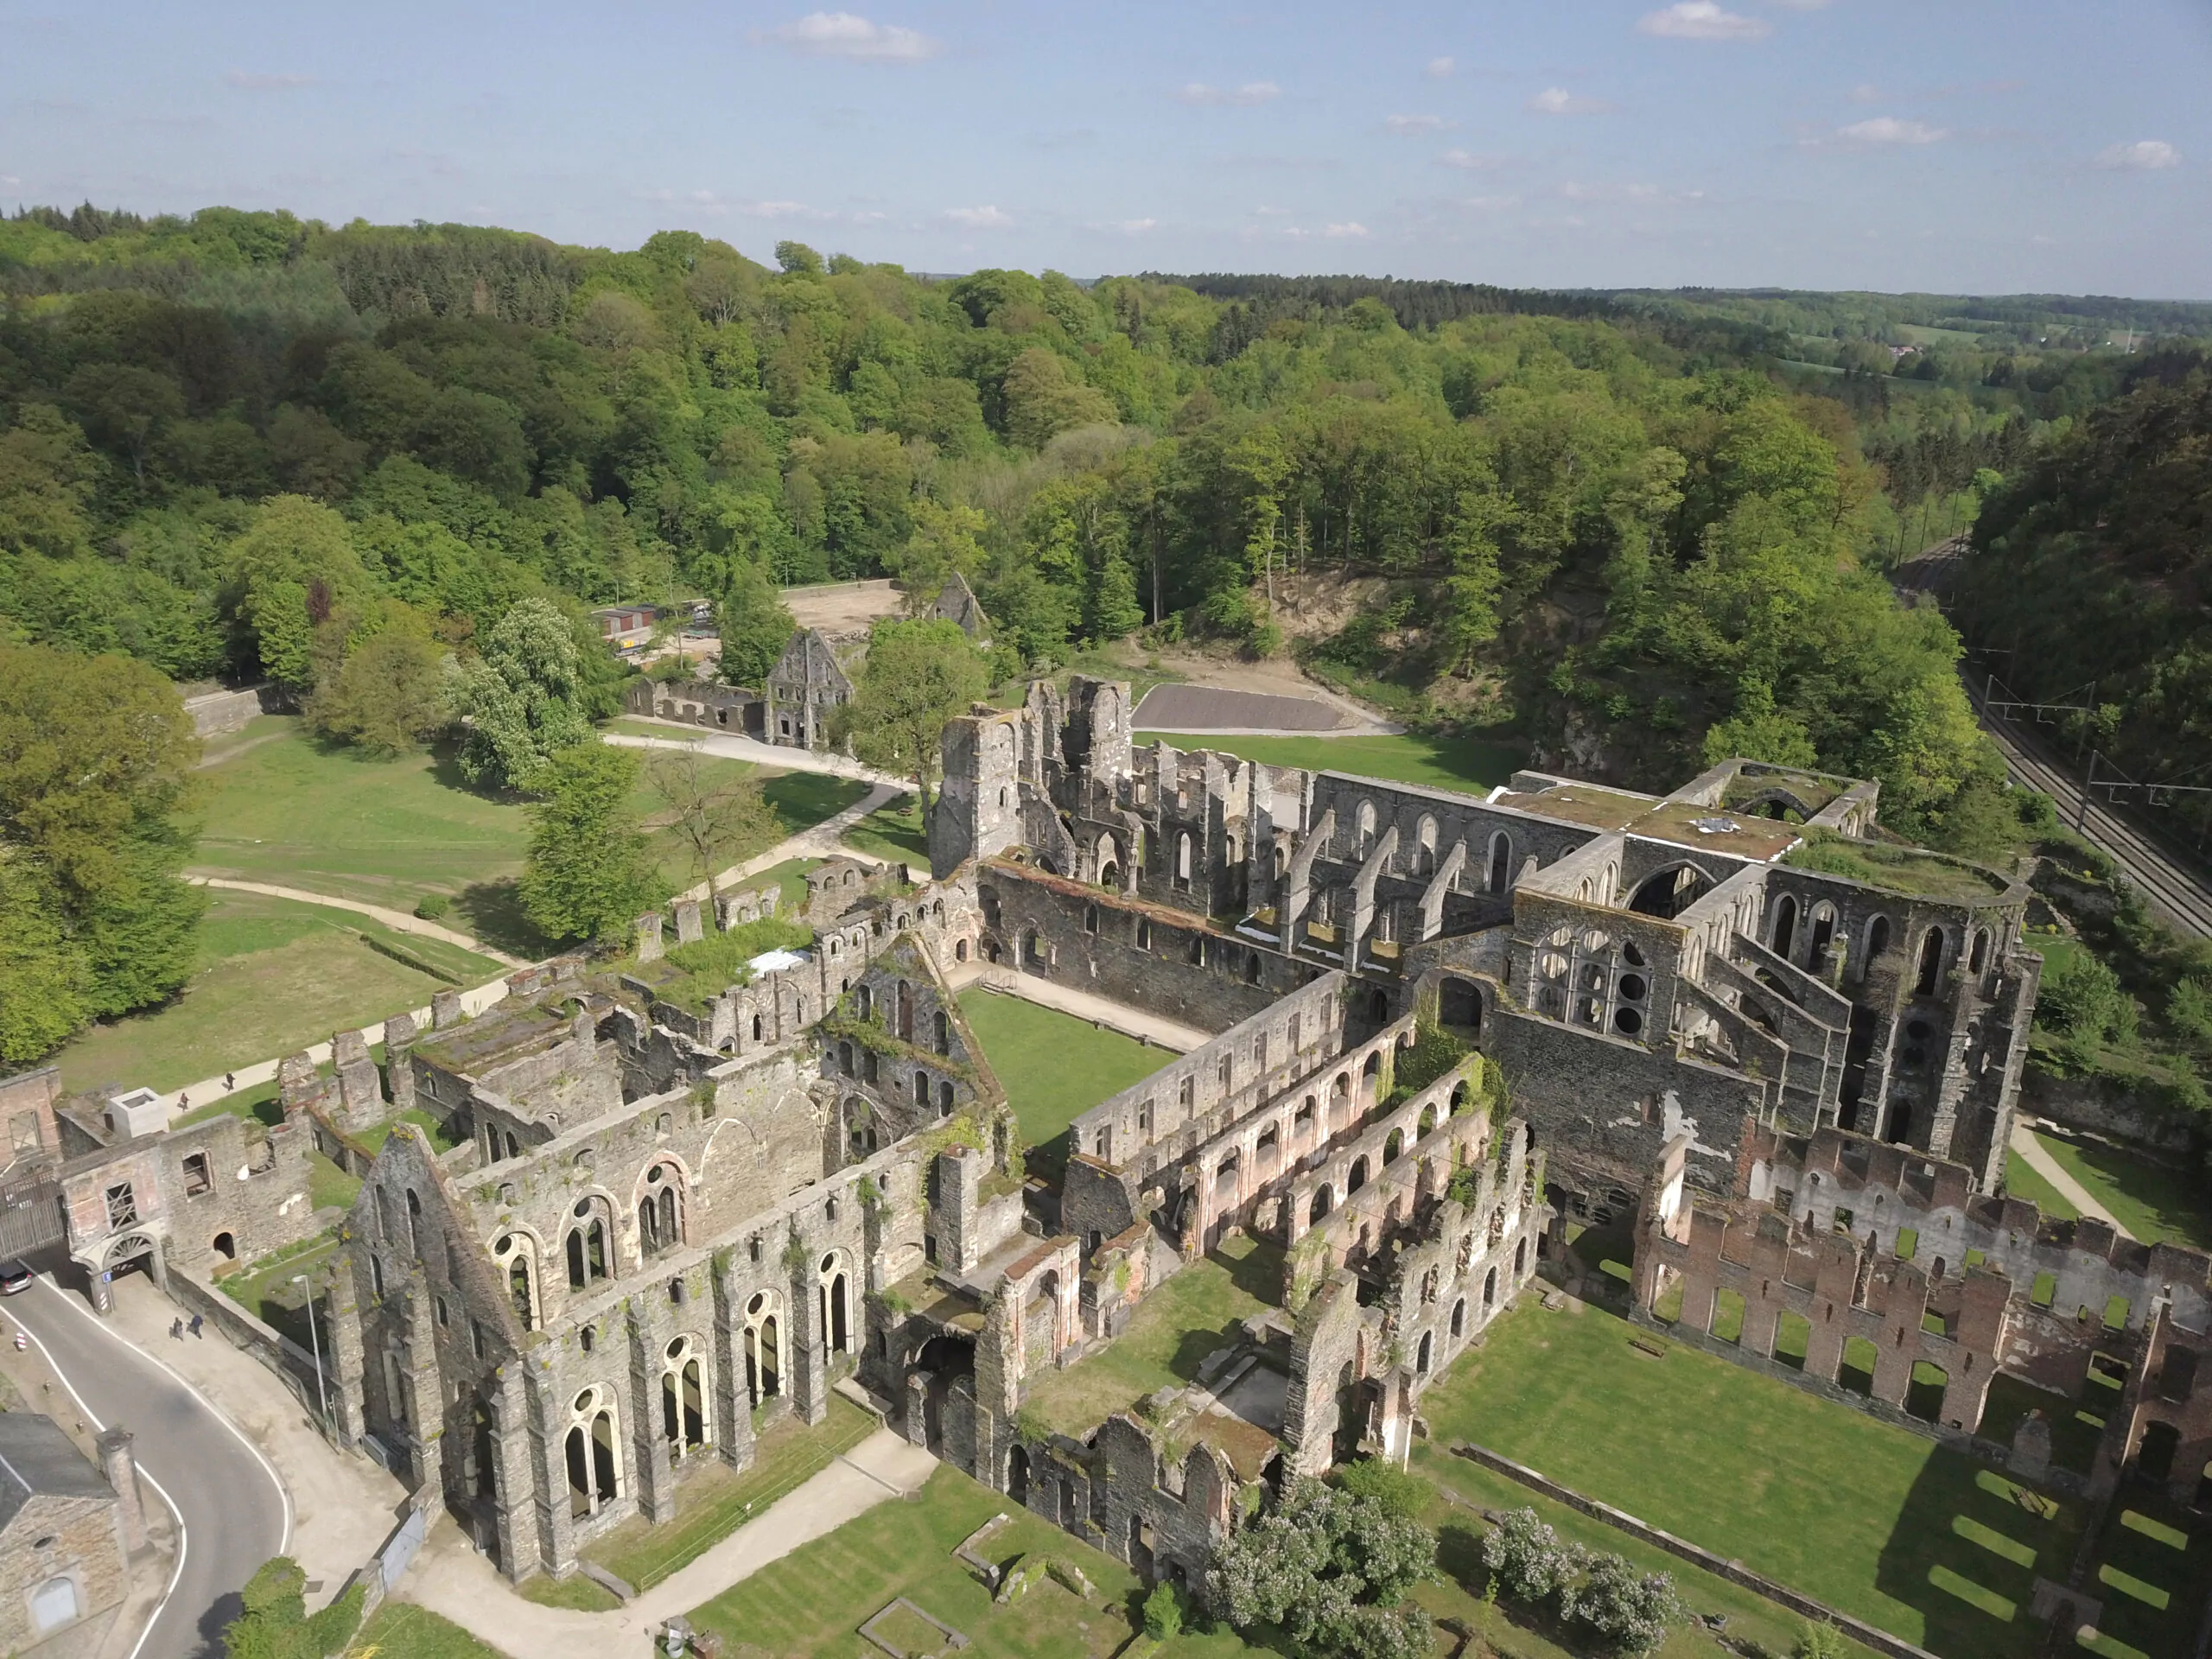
1890	1273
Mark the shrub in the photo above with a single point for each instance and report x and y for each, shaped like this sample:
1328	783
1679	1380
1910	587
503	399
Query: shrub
433	907
1630	1611
1529	1560
1163	1612
1818	1641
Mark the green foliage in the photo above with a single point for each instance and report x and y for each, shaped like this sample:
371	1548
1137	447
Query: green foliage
521	697
1528	1559
96	762
1383	1484
1818	1639
1163	1612
713	963
2081	997
1435	1051
388	696
589	871
916	676
433	907
1627	1610
753	621
1328	1567
276	1624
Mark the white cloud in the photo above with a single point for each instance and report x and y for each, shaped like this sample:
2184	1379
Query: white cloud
980	219
1439	68
1703	19
1244	97
1272	212
1417	124
1641	195
1888	129
1867	92
1490	204
1468	160
1353	228
1557	100
1799	5
2145	155
842	34
246	80
1135	226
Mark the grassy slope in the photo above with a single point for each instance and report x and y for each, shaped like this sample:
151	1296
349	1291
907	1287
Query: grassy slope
1869	1518
2157	1202
401	1628
272	976
1054	1066
297	812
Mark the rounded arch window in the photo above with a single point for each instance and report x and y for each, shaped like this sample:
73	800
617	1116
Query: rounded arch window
678	1348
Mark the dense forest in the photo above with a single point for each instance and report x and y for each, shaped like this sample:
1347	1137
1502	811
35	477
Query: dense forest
1638	529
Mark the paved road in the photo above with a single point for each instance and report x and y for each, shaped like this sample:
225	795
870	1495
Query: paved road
233	1513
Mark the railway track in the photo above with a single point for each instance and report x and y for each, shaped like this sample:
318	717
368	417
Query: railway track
2175	891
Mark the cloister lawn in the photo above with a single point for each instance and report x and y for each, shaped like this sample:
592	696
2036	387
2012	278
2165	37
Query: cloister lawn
1054	1067
808	1605
1873	1520
1433	762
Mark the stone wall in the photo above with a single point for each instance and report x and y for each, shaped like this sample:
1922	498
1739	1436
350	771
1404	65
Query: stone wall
85	1545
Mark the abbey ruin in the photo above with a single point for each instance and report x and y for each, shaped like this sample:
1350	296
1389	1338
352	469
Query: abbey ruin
676	1208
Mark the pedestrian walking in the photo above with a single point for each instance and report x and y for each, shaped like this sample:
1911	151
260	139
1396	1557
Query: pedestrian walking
183	1100
176	1330
230	1083
196	1323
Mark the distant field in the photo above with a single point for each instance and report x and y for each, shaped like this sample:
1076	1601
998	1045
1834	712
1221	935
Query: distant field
273	976
1454	763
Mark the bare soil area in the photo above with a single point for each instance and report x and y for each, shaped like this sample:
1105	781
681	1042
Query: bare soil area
842	607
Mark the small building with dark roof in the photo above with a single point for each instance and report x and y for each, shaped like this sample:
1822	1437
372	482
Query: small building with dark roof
64	1565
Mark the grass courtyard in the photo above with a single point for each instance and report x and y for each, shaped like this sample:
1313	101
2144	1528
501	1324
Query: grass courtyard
1873	1520
1054	1066
400	1628
810	1604
1454	762
1177	1325
894	832
272	976
717	1501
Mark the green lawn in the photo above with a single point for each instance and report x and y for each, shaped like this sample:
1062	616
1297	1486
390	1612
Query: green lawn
808	1605
402	1630
578	1594
1054	1066
1518	1632
717	1501
2150	1572
2022	1181
2158	1202
1456	763
893	832
266	1291
301	812
1872	1519
441	1140
273	976
790	877
1176	1326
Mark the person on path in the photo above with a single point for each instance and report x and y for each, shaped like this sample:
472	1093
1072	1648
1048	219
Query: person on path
196	1323
183	1100
176	1330
230	1083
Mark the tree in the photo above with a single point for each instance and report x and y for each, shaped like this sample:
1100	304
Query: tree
917	676
1818	1639
520	697
294	565
1629	1610
1328	1567
388	696
1529	1561
96	759
1041	400
588	871
754	623
707	808
274	1623
944	541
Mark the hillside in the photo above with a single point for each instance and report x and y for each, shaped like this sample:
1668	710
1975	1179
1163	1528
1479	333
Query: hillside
1635	531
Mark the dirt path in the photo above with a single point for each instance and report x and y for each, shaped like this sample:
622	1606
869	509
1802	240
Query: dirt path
1276	679
398	921
818	841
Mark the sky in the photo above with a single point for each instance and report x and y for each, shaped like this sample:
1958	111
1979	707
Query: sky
1978	146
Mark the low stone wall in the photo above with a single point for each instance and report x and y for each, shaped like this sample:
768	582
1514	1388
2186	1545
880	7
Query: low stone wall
1735	1571
216	712
292	1364
2102	1107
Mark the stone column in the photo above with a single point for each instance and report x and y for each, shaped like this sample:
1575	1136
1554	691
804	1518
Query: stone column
515	1475
545	1406
121	1467
807	1379
652	1481
400	1033
343	1349
732	1405
446	1010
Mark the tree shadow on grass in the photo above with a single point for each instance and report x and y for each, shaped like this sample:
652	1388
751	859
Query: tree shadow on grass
1965	1553
802	799
1258	1272
492	912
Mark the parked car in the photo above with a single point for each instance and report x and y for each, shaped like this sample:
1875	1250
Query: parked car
15	1278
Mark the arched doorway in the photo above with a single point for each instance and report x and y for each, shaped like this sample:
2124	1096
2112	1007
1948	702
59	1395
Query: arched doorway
1670	892
1459	1004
